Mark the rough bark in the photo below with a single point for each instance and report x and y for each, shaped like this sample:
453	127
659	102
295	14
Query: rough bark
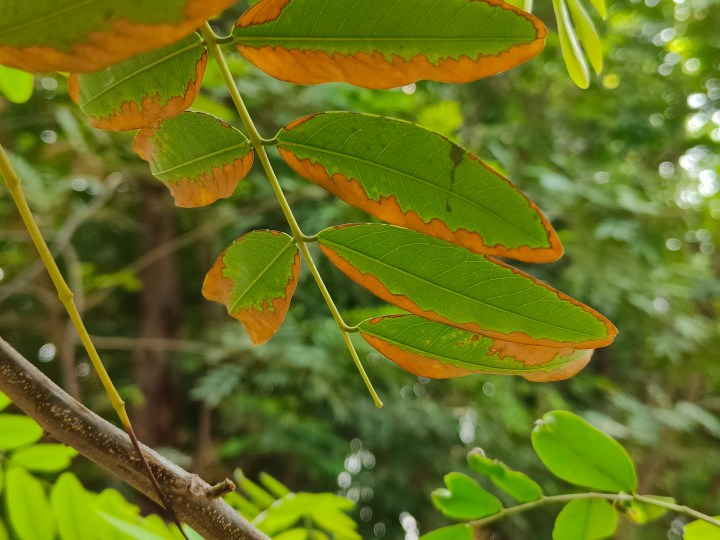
73	424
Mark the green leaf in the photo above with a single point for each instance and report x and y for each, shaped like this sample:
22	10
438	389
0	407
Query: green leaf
325	509
143	90
600	7
571	51
380	44
111	502
587	34
16	85
273	485
135	532
3	531
255	278
4	401
44	458
447	283
293	534
244	507
464	498
581	454
436	350
701	530
518	485
28	509
585	519
17	430
67	35
198	157
70	502
641	512
257	495
409	176
455	532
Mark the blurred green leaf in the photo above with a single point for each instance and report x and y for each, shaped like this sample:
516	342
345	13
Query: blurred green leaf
585	519
464	498
521	487
701	530
28	509
581	454
4	401
16	85
455	532
70	502
135	532
44	458
17	430
642	512
587	34
571	50
258	496
274	486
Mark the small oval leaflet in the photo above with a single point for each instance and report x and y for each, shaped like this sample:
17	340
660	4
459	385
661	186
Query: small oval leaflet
581	454
460	288
255	278
381	44
198	157
412	177
68	35
143	90
435	350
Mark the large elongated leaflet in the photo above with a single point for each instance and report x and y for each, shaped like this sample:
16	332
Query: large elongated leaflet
436	350
88	35
143	90
198	157
382	44
449	284
409	176
255	278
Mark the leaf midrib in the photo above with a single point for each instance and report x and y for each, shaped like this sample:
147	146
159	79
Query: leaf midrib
235	306
455	194
244	144
456	293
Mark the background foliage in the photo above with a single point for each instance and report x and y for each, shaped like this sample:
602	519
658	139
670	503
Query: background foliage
627	171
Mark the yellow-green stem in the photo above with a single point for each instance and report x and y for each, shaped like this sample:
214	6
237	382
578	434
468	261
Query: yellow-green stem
259	144
12	181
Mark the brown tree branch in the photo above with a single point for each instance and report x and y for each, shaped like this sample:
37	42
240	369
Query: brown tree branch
75	425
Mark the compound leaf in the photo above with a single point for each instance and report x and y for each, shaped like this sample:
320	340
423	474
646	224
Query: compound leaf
464	498
70	502
198	157
82	36
435	350
449	284
581	454
409	176
585	519
143	90
255	278
380	44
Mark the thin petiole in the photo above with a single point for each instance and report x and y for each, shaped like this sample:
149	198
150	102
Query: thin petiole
12	181
301	239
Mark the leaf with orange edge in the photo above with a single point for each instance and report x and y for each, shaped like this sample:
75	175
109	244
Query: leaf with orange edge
439	351
89	35
143	90
255	278
381	44
198	157
409	176
449	284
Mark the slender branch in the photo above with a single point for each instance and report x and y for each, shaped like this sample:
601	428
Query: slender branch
75	425
565	498
259	144
66	297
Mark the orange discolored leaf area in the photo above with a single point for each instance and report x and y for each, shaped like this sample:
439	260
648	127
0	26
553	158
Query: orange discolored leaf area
409	40
197	171
438	351
143	90
255	278
67	35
